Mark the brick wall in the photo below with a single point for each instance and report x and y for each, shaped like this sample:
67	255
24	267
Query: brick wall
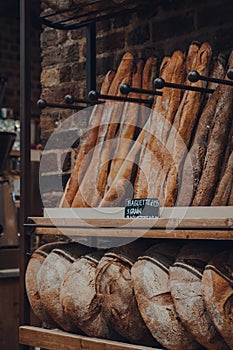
10	63
171	25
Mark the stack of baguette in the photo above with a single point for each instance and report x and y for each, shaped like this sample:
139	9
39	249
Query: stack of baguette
174	295
179	151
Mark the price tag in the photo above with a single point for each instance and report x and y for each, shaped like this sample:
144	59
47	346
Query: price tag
142	208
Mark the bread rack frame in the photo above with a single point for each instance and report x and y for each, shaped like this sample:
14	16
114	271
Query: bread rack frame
193	228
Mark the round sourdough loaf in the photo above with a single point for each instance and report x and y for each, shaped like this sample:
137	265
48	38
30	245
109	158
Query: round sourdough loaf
150	278
31	284
218	293
186	290
50	277
78	297
116	296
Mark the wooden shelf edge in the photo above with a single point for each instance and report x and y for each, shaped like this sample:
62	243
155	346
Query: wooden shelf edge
212	223
56	339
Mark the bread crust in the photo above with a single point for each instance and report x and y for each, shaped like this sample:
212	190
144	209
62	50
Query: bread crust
194	161
150	278
218	293
93	185
87	142
186	290
50	277
216	146
184	122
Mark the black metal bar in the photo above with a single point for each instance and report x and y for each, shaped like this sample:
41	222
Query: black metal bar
177	228
25	100
63	25
43	104
160	83
95	96
91	56
126	89
194	76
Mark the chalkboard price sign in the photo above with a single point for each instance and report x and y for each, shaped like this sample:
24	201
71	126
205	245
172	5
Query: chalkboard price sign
142	208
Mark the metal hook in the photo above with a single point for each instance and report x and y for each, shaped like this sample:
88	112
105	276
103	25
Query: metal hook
194	76
126	89
230	73
41	103
160	83
95	96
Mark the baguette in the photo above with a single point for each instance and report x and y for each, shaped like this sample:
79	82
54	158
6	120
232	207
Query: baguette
230	200
127	128
218	293
150	278
223	191
118	190
184	122
87	142
194	160
186	290
50	277
191	57
216	146
93	184
228	151
141	181
164	114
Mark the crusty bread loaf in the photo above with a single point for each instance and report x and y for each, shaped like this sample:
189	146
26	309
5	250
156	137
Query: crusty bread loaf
115	293
79	300
186	290
118	190
191	57
93	185
218	293
224	187
164	112
150	278
31	284
230	200
128	126
184	122
145	158
194	161
50	277
86	144
216	146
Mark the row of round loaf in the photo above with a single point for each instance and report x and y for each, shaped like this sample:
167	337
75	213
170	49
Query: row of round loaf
88	291
185	294
174	294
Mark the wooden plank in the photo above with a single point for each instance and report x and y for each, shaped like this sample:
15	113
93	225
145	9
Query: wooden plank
216	226
56	339
218	212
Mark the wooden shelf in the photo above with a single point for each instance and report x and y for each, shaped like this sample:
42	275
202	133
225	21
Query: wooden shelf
177	223
56	339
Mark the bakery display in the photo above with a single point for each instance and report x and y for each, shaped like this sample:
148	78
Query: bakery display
172	151
174	295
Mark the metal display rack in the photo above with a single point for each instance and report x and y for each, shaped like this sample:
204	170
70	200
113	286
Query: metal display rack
213	227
